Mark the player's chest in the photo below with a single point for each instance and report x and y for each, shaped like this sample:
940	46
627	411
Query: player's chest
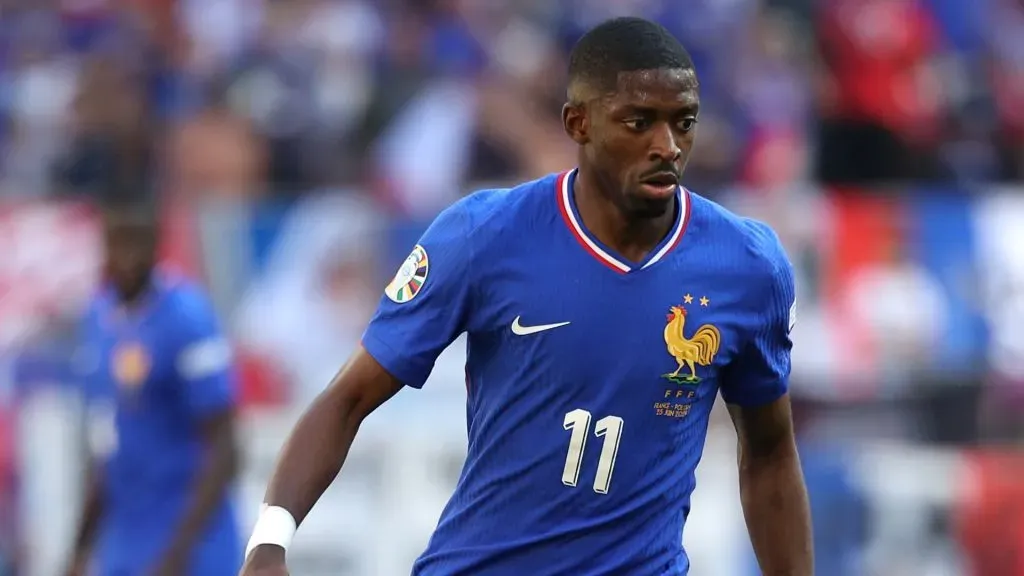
657	327
135	363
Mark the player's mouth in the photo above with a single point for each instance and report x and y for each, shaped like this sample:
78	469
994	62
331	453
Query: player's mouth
660	185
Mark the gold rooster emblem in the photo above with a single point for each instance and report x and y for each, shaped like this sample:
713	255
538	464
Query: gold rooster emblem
689	352
130	365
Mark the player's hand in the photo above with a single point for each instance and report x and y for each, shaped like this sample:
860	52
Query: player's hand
265	560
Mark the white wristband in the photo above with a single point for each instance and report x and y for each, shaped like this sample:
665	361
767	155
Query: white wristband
275	525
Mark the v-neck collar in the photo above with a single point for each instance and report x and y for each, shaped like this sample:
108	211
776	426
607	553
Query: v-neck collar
604	254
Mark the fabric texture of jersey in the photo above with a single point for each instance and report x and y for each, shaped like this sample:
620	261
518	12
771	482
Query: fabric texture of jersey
590	378
161	368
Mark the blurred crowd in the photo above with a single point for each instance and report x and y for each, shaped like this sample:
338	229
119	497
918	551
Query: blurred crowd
256	97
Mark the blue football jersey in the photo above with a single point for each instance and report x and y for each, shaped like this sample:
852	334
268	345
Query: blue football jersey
590	378
162	367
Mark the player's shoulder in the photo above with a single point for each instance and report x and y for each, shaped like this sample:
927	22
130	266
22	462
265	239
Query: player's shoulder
487	212
185	298
100	304
751	243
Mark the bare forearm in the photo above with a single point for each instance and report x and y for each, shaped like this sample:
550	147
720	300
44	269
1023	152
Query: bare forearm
91	512
777	513
313	455
219	468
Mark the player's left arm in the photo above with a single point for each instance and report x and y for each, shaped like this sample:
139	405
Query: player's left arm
206	375
772	489
755	388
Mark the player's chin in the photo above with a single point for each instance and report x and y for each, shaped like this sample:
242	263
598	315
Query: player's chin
656	192
648	203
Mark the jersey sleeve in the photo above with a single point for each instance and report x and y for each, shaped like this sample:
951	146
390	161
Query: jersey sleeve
760	372
203	361
85	361
427	304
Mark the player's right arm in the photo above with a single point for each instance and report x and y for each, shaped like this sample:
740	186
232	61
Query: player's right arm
318	445
88	525
100	436
426	307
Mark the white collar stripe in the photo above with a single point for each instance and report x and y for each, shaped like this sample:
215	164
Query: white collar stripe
603	255
684	213
581	235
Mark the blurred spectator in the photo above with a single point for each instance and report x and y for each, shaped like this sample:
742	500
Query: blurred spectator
217	154
880	96
40	85
401	72
773	98
519	126
273	87
112	148
216	33
903	306
345	37
1007	33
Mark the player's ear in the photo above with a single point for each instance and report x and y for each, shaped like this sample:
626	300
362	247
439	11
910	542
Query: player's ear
576	123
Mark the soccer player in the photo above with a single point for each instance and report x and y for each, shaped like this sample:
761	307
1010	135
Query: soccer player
158	500
605	308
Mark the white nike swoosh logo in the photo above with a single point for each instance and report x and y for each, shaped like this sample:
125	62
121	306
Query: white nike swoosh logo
520	330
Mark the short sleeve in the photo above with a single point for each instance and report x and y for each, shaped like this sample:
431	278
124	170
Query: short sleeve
427	304
86	362
203	362
760	373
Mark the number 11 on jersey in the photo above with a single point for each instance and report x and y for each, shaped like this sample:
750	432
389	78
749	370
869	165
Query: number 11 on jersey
610	428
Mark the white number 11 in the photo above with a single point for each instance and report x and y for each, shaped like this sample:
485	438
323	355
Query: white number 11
578	421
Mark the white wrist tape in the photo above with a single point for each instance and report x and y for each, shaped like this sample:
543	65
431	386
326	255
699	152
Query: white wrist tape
275	525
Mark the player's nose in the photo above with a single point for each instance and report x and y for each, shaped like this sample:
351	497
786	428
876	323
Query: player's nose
664	147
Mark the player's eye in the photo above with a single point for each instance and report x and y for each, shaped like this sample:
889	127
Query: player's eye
637	124
687	124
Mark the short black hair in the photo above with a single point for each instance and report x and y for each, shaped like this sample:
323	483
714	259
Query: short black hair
620	45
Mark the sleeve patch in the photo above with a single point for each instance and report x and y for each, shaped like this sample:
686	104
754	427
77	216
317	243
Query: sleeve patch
410	278
204	358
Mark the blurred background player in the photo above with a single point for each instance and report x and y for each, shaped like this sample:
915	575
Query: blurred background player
158	500
588	408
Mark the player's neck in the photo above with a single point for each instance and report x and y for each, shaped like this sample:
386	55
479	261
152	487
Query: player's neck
132	300
632	237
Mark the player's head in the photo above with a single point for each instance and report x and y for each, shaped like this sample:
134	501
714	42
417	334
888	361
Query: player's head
130	240
632	108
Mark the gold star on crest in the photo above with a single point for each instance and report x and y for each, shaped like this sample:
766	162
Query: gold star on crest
687	299
704	301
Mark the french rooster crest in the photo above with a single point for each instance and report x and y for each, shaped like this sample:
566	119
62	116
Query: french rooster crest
697	350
